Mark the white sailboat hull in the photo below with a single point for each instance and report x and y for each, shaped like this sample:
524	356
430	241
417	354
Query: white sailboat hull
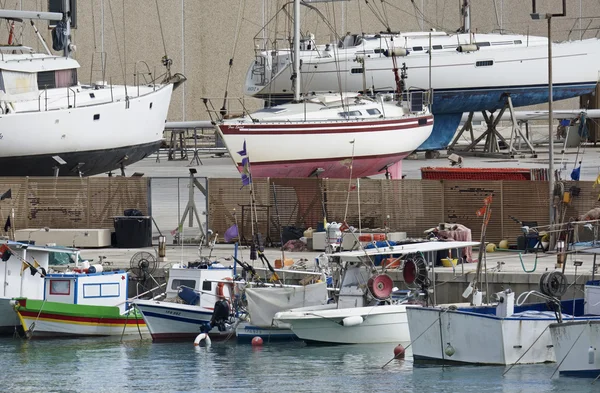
100	136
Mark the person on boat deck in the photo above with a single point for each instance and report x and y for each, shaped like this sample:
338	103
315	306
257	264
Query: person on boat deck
219	317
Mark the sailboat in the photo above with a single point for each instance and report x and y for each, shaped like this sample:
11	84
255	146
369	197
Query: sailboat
466	72
334	135
51	124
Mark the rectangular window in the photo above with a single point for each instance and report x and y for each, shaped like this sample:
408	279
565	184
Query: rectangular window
417	48
186	283
207	286
46	80
356	70
60	287
480	44
484	63
437	47
66	78
350	114
373	111
97	116
101	290
518	42
57	6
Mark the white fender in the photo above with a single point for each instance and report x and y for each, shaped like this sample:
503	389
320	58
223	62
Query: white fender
202	337
352	321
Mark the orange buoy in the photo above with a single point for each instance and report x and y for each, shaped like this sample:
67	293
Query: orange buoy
257	341
399	352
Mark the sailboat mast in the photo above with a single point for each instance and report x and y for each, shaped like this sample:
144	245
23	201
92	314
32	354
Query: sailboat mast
66	8
297	50
466	13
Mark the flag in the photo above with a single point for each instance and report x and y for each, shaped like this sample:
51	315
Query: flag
243	152
231	233
24	265
597	181
575	173
6	195
5	253
8	225
246	176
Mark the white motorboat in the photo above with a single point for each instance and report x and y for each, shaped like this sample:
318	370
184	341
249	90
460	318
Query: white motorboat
576	342
338	135
191	295
51	124
467	72
502	334
364	312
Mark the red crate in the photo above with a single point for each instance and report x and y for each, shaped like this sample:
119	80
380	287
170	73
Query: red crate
441	173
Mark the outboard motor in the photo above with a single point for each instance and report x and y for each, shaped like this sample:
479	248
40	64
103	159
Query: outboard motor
219	318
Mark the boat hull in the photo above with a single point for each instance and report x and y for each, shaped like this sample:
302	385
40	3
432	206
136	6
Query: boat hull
51	319
459	84
91	139
168	321
572	342
246	332
479	338
8	318
341	149
382	324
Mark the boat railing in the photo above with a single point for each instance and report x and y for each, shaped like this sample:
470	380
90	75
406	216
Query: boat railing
414	99
45	93
69	98
230	107
578	27
144	74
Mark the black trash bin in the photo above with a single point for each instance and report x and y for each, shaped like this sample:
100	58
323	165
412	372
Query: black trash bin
133	231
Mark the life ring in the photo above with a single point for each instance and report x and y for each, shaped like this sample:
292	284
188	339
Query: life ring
221	286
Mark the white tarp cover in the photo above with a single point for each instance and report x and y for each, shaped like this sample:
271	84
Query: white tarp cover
264	303
19	82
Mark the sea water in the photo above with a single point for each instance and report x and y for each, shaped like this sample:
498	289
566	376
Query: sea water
107	365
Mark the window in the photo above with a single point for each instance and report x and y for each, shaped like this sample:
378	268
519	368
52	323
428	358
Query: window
373	111
417	48
56	6
207	286
518	42
186	283
378	50
46	80
437	47
350	114
480	44
356	70
92	95
484	63
97	116
60	287
150	105
101	290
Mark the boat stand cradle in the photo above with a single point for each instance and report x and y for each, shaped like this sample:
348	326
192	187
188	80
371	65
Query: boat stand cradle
492	137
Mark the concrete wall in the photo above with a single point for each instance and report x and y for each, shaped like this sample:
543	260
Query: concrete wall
200	35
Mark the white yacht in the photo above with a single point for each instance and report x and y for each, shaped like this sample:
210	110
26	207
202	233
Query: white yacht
51	124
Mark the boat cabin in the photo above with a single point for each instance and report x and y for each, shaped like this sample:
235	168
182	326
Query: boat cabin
98	289
197	285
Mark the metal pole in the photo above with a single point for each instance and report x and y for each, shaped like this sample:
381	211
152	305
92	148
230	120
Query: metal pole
297	50
550	128
67	18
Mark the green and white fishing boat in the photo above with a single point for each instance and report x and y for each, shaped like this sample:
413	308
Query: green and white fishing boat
81	304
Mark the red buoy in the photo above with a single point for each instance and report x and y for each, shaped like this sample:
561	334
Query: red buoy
399	352
257	341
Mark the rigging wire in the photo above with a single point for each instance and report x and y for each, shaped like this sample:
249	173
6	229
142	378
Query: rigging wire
235	42
112	17
162	34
